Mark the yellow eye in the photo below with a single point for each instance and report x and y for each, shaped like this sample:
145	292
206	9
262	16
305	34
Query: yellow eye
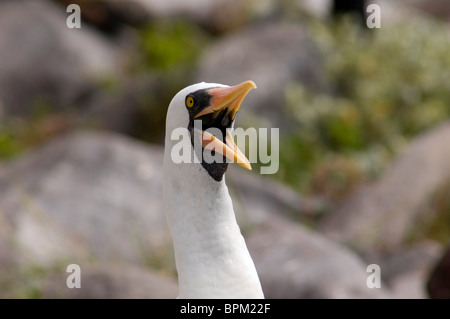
190	101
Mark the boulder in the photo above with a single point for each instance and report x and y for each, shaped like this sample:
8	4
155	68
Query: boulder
384	212
137	108
44	65
7	256
110	281
406	269
294	262
86	194
319	9
218	16
436	8
110	16
258	197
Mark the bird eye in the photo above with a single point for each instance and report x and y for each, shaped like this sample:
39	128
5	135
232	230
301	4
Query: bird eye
190	101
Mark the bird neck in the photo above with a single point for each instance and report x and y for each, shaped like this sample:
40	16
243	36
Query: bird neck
211	255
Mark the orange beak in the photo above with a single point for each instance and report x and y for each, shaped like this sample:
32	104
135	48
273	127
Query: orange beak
229	98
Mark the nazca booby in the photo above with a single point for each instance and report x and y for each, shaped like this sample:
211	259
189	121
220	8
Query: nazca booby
211	256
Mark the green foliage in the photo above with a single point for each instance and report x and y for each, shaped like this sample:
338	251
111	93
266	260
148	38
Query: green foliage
9	144
398	77
166	45
390	85
23	282
16	134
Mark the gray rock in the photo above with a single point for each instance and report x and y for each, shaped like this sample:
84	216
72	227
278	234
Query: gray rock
410	285
111	281
294	262
421	256
272	55
405	270
44	63
216	15
7	257
110	16
319	9
437	8
258	197
86	194
287	254
382	213
137	108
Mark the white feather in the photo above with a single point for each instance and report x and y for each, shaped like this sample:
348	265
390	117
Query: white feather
212	258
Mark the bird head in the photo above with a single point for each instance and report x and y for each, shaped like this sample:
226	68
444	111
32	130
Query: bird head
213	106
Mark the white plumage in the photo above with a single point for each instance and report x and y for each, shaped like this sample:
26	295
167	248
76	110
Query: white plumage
212	258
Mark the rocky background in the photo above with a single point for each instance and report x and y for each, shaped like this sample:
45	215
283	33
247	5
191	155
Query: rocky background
364	124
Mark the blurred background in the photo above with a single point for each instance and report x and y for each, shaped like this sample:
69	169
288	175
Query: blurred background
364	174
